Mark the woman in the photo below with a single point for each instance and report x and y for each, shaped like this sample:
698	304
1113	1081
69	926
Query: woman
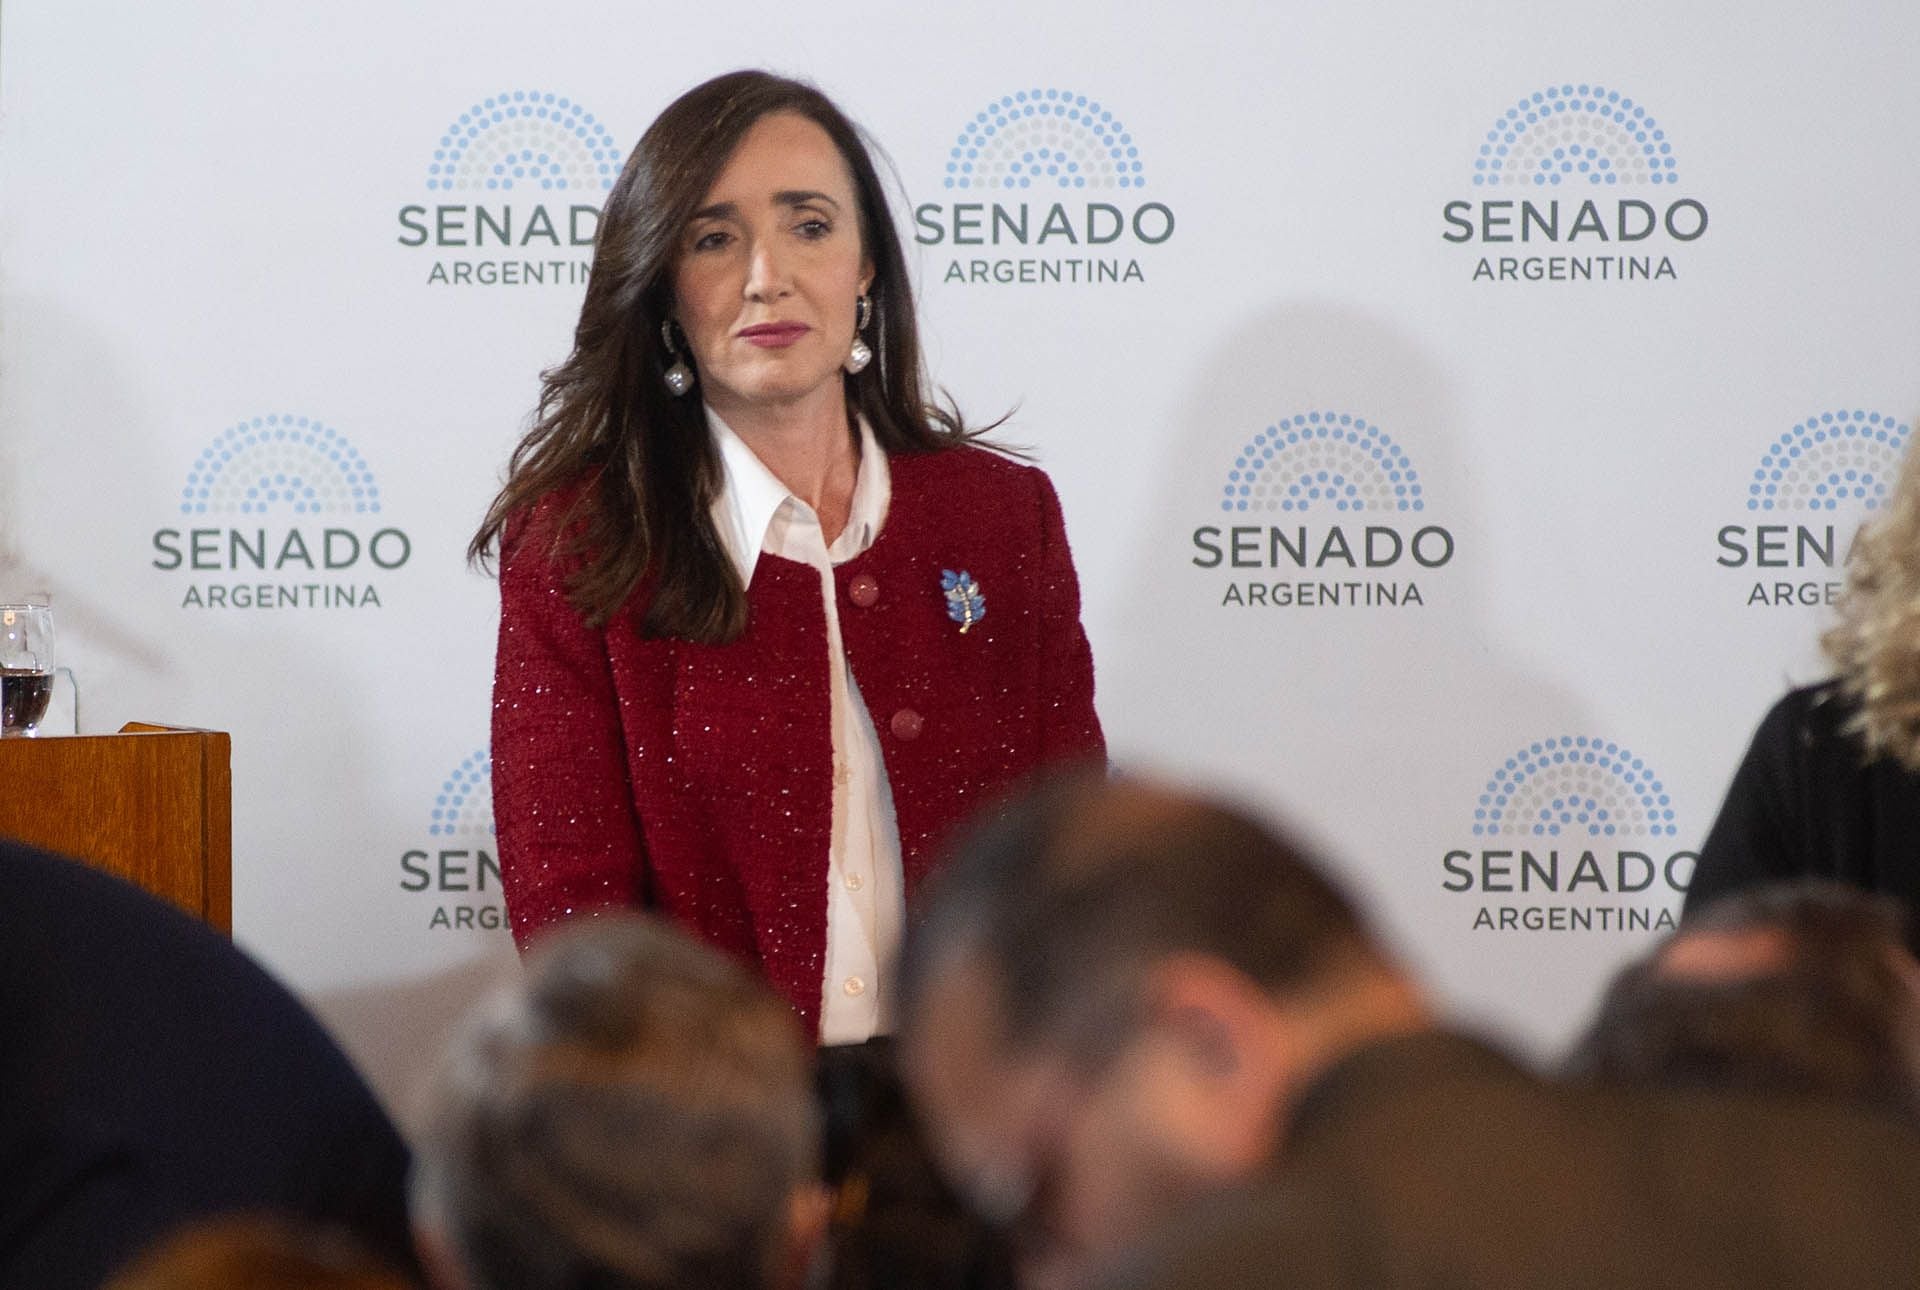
770	624
1831	784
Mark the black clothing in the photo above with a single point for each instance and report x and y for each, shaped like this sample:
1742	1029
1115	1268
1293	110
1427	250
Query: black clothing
1805	803
1434	1162
896	1223
151	1074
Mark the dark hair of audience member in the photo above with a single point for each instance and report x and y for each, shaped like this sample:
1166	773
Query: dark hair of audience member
1075	889
257	1252
636	1113
1809	990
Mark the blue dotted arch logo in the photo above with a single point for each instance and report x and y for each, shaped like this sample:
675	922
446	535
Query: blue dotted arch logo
1322	461
1574	786
280	462
1830	459
525	141
464	805
1049	139
1575	134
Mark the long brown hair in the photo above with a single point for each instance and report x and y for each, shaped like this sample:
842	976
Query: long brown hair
639	466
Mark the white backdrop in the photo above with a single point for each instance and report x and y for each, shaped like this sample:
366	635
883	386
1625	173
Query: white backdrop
237	254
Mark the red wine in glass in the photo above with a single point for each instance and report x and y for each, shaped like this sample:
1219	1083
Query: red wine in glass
26	667
23	699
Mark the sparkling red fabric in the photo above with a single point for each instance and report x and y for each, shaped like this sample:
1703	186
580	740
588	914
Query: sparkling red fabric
697	779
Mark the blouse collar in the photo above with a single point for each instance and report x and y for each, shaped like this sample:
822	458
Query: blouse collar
750	496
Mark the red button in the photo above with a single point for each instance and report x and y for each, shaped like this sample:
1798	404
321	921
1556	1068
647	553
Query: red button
907	724
863	590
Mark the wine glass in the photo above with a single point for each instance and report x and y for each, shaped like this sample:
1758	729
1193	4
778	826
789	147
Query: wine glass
26	667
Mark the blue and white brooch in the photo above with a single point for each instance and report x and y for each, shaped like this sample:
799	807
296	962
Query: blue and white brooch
965	604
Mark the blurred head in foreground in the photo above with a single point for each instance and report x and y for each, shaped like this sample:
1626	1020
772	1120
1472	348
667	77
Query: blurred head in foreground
1797	988
635	1113
257	1252
1113	994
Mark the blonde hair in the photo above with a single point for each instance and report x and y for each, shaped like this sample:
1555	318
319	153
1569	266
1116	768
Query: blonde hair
1875	647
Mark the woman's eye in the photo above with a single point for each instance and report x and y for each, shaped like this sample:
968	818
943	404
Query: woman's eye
815	228
710	241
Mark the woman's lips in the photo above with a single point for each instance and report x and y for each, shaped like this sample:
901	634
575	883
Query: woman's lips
773	335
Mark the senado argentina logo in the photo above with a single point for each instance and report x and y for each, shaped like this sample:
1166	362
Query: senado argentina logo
280	511
1579	786
1578	832
1055	138
1591	175
516	183
1575	134
1048	184
457	859
1322	509
1322	461
1829	460
464	805
525	139
280	463
1805	501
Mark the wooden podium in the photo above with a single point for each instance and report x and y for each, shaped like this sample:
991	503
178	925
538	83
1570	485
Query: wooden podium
152	804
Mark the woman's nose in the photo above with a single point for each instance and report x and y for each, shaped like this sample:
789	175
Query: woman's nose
767	276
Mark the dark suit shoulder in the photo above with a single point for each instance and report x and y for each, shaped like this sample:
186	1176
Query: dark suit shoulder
151	1072
72	926
96	971
1511	1181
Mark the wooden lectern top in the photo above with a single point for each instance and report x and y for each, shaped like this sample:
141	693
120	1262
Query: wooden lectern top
152	804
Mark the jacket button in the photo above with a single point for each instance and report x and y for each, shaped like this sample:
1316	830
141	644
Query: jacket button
907	724
863	590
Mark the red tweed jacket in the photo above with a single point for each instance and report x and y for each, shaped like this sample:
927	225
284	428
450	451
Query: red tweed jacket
697	779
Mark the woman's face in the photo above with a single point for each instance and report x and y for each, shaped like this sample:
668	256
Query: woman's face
769	271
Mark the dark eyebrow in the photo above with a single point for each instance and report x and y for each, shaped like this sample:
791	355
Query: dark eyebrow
803	197
786	197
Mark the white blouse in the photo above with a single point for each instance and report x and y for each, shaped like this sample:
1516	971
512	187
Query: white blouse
866	902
